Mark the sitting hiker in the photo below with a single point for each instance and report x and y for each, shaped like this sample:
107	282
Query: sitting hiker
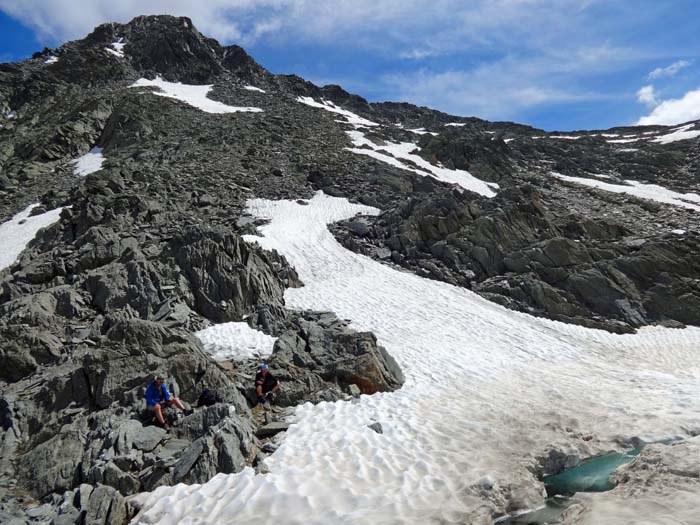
265	383
158	397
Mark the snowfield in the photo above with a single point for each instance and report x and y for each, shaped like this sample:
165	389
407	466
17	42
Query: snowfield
486	389
193	95
651	192
16	233
89	163
393	153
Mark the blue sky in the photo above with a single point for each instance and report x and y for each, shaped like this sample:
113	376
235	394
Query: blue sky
554	64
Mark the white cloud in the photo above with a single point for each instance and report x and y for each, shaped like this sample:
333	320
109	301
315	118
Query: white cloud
674	111
669	71
647	95
435	25
417	54
494	91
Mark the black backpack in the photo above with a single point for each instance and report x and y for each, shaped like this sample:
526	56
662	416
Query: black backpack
208	398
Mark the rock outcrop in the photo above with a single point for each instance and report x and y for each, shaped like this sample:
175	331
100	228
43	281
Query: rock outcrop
522	250
320	359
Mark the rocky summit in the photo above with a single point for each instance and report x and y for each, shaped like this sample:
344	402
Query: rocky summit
144	142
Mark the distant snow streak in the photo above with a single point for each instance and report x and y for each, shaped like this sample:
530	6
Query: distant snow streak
681	133
394	153
352	118
651	192
193	95
422	131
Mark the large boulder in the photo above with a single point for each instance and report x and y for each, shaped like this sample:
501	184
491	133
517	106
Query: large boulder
320	357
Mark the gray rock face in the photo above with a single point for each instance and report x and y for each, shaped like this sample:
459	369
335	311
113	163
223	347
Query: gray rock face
226	276
52	466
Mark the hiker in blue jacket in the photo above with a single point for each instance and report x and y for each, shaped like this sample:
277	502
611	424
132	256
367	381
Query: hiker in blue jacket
158	397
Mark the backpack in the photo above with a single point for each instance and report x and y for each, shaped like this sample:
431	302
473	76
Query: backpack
208	398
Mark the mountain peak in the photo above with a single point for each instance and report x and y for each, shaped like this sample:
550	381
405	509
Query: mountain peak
149	46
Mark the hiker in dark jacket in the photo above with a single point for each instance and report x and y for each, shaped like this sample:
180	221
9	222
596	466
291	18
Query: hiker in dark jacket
158	397
265	383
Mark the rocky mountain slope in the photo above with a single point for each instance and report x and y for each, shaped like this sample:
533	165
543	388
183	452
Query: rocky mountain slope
597	228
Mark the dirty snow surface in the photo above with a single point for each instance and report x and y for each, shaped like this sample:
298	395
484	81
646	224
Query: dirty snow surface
193	95
485	387
89	163
394	153
235	341
651	192
16	233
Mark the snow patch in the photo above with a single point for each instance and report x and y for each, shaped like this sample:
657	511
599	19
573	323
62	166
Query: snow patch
193	95
456	124
235	341
678	232
351	118
651	192
89	163
253	88
11	114
51	60
513	383
627	150
16	233
682	133
624	141
422	131
566	137
116	48
394	153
